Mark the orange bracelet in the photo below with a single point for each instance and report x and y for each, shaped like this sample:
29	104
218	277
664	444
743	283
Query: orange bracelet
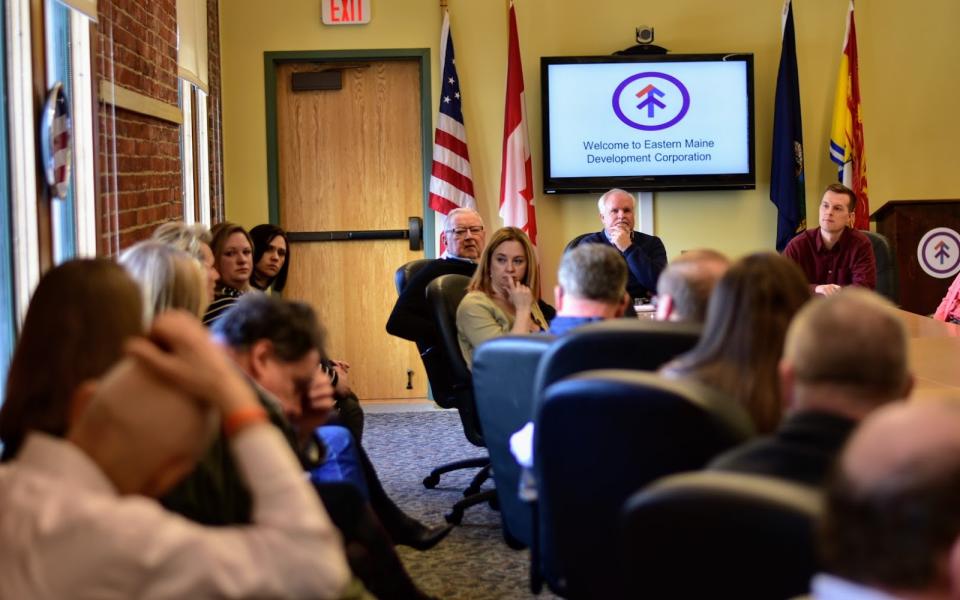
242	418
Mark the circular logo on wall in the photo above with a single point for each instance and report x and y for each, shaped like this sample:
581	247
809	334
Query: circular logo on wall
939	252
651	101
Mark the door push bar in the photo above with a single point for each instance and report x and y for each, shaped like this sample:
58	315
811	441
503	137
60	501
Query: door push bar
413	232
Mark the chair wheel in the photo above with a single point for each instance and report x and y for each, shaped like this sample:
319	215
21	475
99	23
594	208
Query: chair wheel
431	481
454	517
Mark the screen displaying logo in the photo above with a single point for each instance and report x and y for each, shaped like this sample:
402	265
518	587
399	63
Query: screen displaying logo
651	101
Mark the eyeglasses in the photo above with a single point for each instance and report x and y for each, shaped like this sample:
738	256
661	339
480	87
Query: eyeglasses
462	231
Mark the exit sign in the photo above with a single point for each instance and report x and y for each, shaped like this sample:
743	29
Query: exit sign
345	12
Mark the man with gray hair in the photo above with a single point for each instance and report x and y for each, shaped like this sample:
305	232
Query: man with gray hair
684	287
844	356
644	254
591	287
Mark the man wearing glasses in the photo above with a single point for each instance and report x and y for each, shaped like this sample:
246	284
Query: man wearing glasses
465	237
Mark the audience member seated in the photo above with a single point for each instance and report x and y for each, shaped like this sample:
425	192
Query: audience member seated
835	254
591	286
233	259
502	296
278	344
411	318
843	357
644	254
891	527
271	260
168	278
75	524
685	285
80	316
194	239
742	340
949	309
271	257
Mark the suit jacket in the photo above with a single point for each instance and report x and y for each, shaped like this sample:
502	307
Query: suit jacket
646	258
802	450
411	318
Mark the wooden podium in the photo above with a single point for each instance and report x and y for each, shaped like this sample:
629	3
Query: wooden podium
904	223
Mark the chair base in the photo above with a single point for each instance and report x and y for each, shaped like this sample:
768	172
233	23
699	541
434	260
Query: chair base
455	516
433	479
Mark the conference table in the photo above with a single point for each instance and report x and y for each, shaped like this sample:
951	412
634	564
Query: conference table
934	349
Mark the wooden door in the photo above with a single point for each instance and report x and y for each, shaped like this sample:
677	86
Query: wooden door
351	160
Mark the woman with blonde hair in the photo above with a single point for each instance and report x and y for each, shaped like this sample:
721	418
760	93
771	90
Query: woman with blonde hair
742	340
168	279
503	293
194	239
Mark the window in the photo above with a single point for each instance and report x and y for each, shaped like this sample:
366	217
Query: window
7	305
194	153
73	218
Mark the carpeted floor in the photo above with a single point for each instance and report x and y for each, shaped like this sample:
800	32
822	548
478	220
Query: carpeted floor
473	562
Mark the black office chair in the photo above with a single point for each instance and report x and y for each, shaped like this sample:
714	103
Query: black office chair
719	535
635	344
443	296
888	280
575	241
600	436
503	379
406	272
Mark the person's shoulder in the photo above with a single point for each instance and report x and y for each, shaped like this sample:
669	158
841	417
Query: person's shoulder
804	238
590	238
858	237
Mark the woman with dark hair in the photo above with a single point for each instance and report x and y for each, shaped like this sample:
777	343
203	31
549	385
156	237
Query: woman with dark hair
233	259
502	294
742	339
271	257
79	318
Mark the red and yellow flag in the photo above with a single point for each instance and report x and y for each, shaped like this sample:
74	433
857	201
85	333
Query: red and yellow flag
846	136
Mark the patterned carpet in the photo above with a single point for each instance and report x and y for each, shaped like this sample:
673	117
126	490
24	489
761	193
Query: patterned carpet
473	563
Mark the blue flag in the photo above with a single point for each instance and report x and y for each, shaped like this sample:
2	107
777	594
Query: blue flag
786	171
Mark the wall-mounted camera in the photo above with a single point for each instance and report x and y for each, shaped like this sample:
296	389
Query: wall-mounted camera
644	34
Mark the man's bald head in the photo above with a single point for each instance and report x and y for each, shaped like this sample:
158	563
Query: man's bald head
684	287
892	515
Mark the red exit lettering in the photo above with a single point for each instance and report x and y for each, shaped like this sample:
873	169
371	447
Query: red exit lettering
346	11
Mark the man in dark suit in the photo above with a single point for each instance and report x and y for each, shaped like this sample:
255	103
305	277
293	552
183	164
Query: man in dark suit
844	356
465	237
645	255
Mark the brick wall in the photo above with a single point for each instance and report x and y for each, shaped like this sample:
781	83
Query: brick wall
141	180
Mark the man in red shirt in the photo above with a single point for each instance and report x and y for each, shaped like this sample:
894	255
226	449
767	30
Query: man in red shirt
835	255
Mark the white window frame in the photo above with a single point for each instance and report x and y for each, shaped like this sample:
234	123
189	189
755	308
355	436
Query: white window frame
196	194
22	128
84	160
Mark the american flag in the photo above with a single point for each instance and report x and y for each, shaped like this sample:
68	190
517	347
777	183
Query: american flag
451	180
61	146
516	175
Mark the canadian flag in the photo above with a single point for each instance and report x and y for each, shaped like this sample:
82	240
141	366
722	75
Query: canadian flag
516	174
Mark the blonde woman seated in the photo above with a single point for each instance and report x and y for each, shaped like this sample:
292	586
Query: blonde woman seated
503	293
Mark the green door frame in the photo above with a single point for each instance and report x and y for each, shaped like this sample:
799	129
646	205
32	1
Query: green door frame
271	60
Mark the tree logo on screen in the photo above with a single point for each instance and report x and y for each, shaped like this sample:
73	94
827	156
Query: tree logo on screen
651	101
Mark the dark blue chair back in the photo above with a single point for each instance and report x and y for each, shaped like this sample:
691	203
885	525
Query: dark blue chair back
600	436
719	535
630	343
406	272
503	372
